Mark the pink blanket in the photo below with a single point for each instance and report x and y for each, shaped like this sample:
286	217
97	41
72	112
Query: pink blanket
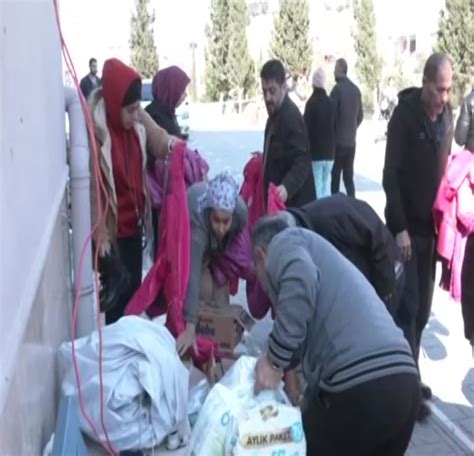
453	212
170	272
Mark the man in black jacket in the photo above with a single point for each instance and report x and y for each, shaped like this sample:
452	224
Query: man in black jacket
356	230
319	116
419	139
349	115
91	81
286	156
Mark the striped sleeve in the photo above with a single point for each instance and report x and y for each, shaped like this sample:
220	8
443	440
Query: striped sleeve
296	287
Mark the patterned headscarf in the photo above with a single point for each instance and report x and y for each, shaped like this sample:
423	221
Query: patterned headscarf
221	193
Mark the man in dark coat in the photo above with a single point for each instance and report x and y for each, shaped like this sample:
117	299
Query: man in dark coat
286	156
356	230
349	115
91	81
419	139
320	116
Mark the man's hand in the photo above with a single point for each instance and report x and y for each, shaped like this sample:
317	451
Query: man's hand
267	376
293	387
282	193
404	243
186	340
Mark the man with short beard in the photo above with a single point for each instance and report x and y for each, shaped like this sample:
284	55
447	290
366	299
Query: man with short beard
419	139
286	155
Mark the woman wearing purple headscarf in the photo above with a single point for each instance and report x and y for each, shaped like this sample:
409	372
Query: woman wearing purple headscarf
169	91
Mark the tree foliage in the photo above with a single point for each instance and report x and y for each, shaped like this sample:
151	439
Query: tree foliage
290	37
229	67
369	63
144	56
456	38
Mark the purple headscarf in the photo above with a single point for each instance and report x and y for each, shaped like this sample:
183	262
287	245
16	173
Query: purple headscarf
168	85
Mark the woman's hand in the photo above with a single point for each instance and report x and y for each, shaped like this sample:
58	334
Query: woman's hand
186	340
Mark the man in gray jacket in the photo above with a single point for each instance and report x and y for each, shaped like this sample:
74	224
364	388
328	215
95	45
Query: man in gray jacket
363	391
349	115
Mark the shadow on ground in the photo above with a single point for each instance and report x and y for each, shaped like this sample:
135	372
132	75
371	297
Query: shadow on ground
432	345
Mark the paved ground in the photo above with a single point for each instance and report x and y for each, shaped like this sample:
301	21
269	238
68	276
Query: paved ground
446	361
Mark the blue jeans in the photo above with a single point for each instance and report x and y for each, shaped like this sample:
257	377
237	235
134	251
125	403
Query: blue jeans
322	177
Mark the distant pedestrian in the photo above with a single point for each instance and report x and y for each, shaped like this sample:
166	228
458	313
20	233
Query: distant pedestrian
419	139
349	115
320	116
286	155
91	81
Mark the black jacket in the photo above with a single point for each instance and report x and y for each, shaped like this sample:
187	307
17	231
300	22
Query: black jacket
320	116
349	112
356	230
164	117
87	86
287	160
415	159
464	133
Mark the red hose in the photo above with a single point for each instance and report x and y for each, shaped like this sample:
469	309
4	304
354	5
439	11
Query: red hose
102	213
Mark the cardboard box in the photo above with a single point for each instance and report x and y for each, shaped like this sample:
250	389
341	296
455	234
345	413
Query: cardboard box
223	324
210	291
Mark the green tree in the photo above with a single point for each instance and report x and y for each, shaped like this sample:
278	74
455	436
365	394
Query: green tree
240	66
144	56
456	38
217	52
369	63
290	37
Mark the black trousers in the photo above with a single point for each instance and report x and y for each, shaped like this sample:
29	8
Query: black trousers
130	252
415	304
343	161
372	419
467	289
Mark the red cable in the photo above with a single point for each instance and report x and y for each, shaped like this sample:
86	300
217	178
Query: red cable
100	221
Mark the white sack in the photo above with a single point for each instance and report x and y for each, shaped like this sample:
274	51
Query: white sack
235	422
145	383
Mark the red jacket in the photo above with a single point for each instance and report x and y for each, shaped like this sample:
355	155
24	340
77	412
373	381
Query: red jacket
170	271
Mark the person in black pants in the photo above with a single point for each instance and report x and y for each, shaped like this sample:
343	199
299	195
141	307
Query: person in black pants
419	139
123	131
326	418
464	136
349	115
467	291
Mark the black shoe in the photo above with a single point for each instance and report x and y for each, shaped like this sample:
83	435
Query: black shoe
426	392
423	412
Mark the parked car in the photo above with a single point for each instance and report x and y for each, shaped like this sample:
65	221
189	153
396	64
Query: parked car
182	112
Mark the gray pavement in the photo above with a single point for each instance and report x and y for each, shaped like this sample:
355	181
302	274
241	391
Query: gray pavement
445	361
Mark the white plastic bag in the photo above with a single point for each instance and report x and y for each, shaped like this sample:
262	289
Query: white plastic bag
198	390
145	383
235	422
